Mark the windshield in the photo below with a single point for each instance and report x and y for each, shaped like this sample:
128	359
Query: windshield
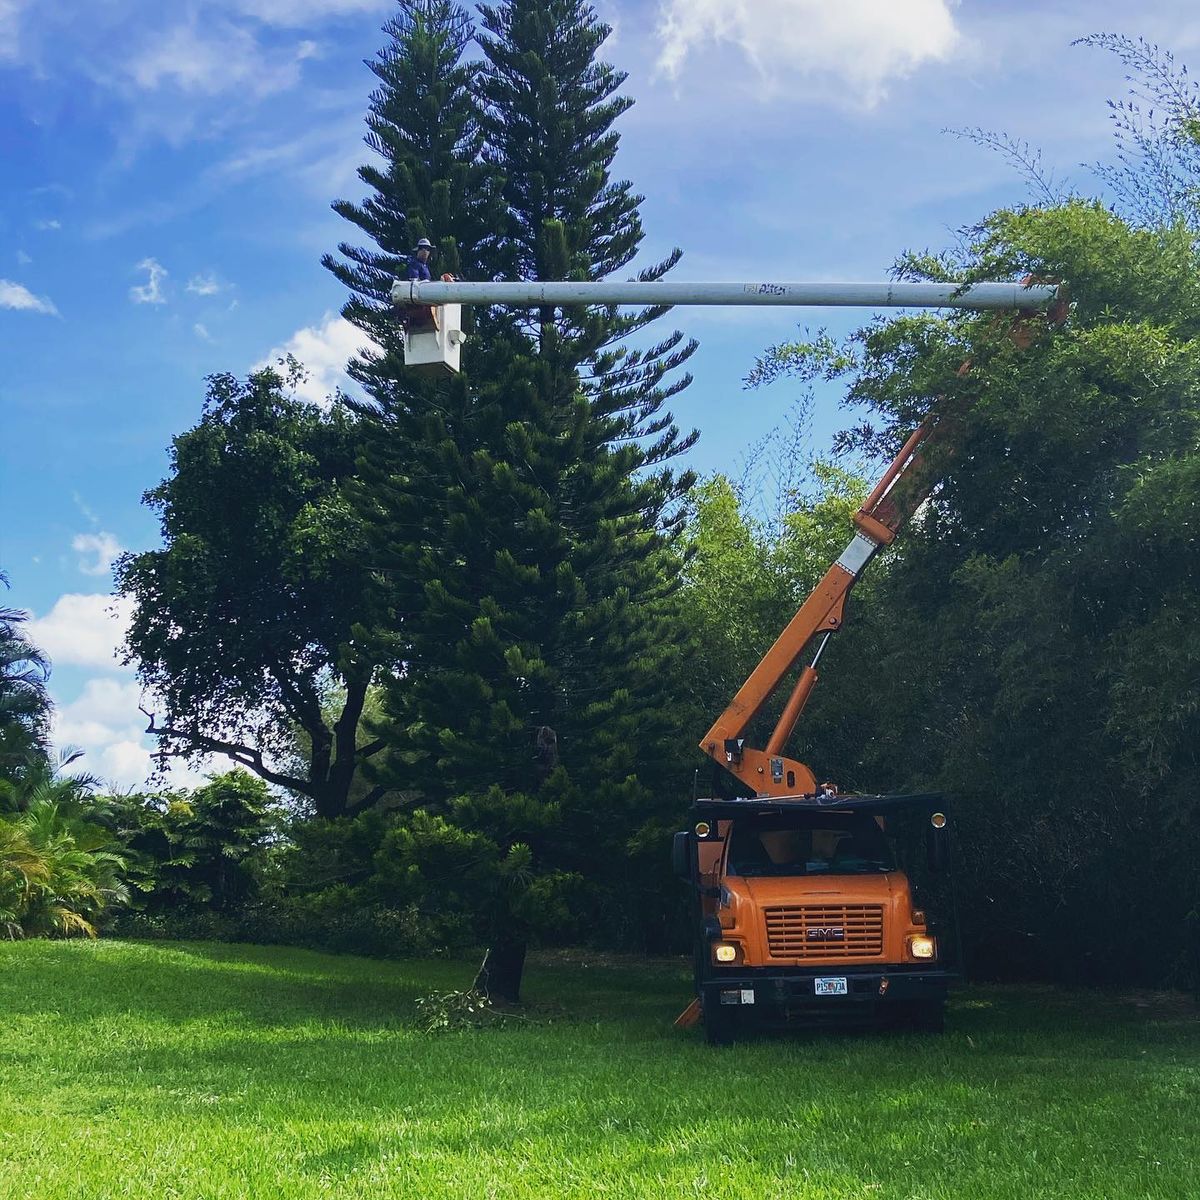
809	844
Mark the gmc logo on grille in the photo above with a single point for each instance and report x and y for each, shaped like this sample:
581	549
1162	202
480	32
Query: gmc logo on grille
826	933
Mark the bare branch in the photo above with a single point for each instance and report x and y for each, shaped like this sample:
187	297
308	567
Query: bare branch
245	756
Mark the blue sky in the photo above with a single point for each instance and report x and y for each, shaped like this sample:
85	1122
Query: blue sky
168	170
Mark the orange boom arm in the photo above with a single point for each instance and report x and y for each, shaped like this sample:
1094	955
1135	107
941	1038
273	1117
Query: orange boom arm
897	495
909	480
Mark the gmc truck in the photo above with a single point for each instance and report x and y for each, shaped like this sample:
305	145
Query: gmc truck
804	912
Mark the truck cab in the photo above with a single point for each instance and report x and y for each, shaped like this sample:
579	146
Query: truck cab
804	909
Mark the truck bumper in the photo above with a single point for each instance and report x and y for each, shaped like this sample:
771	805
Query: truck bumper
773	993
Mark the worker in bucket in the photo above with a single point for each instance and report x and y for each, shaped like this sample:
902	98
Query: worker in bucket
418	261
417	317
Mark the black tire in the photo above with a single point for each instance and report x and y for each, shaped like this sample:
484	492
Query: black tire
720	1024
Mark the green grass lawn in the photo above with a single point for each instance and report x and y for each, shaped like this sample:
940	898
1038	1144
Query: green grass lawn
201	1071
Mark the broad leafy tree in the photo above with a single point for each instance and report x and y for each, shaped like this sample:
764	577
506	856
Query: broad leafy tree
254	612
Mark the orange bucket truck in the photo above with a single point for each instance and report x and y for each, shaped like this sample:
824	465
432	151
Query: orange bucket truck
800	900
804	900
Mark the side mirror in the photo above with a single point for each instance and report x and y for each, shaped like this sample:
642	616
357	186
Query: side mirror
937	842
681	855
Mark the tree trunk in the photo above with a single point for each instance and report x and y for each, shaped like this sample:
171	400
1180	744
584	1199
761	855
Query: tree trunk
500	973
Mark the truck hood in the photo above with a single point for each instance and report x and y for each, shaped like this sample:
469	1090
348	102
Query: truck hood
767	890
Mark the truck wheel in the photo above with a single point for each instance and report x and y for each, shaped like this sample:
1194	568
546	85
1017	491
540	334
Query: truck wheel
720	1025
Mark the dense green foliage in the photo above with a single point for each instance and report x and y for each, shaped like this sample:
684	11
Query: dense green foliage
226	861
203	850
1033	648
61	869
206	1071
252	615
58	872
745	579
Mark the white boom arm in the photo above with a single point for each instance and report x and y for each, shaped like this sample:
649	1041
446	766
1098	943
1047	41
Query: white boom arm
868	295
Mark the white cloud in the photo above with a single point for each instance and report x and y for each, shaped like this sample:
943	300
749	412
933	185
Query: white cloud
860	44
105	722
325	156
324	350
294	13
15	295
213	58
204	284
49	226
106	710
176	73
103	545
83	630
10	13
201	331
23	258
125	764
151	291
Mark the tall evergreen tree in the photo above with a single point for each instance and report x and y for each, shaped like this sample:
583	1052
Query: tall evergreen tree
431	180
531	505
552	706
424	123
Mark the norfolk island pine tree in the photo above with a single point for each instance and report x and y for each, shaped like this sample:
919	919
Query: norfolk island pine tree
526	510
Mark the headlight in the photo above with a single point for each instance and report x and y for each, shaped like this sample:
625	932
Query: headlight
725	952
922	946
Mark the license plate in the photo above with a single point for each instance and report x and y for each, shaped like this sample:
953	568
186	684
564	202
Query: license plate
832	985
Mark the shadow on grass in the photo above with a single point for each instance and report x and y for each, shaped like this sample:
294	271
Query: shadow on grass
278	987
213	1039
339	1162
1003	1020
267	987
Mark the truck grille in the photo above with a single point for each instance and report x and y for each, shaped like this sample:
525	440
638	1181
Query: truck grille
825	931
